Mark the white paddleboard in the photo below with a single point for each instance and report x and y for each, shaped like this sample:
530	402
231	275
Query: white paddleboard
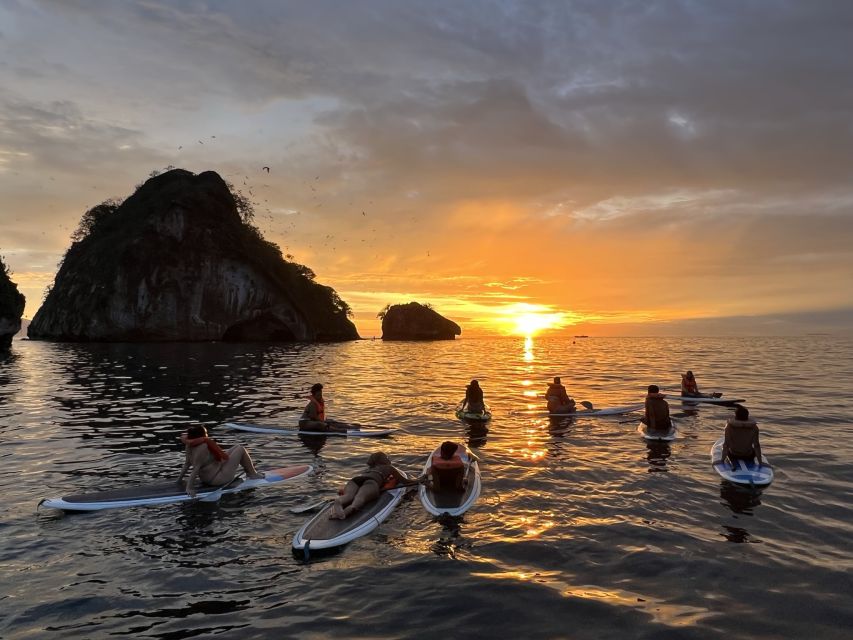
474	417
671	435
168	492
322	532
452	503
746	473
367	432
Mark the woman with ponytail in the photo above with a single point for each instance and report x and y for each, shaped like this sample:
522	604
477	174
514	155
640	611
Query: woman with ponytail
210	464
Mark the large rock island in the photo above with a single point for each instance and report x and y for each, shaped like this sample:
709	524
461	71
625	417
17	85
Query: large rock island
415	321
11	307
177	262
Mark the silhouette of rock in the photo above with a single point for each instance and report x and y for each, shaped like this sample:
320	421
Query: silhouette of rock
11	307
415	321
176	262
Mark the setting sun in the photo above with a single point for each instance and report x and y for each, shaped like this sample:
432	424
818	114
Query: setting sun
524	319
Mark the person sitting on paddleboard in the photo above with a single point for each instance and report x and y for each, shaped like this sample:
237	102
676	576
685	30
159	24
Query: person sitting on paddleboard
210	463
473	398
558	398
314	416
741	440
690	389
657	417
366	486
447	468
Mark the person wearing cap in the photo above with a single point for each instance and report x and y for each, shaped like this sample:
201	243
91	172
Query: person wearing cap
558	398
314	416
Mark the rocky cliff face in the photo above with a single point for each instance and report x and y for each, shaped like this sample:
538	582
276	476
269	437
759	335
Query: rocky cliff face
11	307
414	321
175	262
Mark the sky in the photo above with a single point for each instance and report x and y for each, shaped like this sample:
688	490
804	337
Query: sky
600	168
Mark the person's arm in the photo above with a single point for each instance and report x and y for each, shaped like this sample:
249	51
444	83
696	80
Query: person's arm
756	447
193	475
726	451
186	466
650	414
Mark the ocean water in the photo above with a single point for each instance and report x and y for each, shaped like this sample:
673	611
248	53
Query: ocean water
583	530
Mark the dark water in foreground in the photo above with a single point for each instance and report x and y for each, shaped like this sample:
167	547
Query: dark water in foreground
582	531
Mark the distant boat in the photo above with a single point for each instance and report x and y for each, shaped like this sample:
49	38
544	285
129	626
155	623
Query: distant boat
581	336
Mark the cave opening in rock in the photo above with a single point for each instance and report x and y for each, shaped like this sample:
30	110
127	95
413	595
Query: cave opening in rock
264	328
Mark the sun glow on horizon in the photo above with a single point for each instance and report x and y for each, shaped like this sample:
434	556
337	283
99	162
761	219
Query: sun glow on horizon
525	319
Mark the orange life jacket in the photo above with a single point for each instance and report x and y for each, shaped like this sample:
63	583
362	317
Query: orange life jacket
390	483
321	409
214	448
689	385
455	462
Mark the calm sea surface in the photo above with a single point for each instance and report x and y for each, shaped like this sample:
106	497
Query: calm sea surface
582	531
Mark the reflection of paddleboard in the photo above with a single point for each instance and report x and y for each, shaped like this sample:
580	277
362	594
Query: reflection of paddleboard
611	411
452	503
690	399
366	432
476	417
746	473
671	435
322	532
168	492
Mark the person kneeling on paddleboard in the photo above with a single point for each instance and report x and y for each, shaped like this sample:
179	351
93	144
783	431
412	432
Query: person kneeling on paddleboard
741	440
690	389
447	468
473	398
314	416
210	463
656	417
558	398
366	486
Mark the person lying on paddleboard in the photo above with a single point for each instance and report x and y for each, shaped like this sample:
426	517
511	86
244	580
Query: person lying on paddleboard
558	398
741	440
656	417
473	399
314	416
447	469
379	475
690	389
210	464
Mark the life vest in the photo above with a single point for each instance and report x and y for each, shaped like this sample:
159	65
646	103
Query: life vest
321	409
214	448
689	385
455	462
390	483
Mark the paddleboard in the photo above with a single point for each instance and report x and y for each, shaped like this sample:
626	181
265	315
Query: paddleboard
485	416
168	492
719	401
452	503
654	436
747	472
366	432
611	411
322	532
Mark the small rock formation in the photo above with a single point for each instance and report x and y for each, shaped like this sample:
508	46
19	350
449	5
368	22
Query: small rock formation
175	262
415	321
11	307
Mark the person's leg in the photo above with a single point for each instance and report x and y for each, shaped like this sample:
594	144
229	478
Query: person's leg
346	498
246	462
367	492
